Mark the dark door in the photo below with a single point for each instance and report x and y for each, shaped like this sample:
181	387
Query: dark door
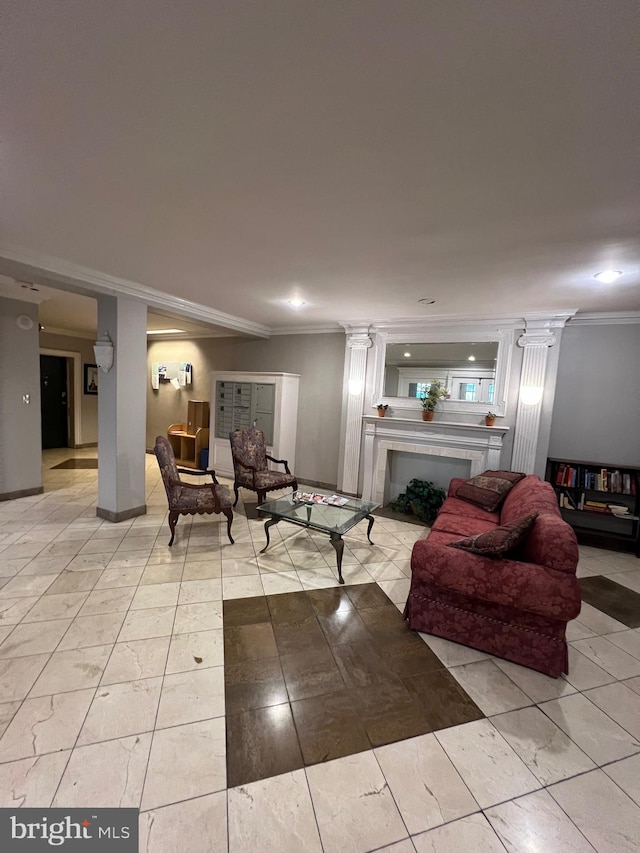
54	401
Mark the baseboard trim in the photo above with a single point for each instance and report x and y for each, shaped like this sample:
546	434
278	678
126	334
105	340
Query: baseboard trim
21	493
87	444
124	515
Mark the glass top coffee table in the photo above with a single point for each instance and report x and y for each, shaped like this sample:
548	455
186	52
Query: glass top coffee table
332	519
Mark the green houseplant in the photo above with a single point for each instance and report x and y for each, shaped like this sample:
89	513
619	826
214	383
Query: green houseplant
431	399
382	409
421	499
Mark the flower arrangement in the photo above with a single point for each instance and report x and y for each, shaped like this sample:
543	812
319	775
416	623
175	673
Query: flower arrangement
490	418
382	407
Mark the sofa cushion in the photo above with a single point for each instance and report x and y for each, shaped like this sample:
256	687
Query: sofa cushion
489	489
500	540
454	506
462	525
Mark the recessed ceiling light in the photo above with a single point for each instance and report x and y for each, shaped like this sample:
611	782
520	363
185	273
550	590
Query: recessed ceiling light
471	358
427	301
165	331
607	276
297	303
407	355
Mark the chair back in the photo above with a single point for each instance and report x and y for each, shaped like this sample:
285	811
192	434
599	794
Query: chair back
248	448
168	468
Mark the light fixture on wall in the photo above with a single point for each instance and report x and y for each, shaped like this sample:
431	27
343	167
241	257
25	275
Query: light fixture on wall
355	386
407	354
531	395
103	351
471	358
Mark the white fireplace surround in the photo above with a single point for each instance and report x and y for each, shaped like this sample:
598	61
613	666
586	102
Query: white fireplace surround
480	445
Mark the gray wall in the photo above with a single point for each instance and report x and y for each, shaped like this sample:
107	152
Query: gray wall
596	415
319	359
20	431
88	402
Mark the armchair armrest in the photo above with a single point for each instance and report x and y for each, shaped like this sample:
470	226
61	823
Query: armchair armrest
197	472
280	462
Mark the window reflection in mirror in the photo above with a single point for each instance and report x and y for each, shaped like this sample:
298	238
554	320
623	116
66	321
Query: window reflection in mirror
467	370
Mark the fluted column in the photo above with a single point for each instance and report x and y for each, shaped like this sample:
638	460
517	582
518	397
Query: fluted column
358	342
536	345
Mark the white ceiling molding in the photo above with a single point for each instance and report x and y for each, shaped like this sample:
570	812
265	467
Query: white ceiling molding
413	324
69	333
308	330
605	318
89	281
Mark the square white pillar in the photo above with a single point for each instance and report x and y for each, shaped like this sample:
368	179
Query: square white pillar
122	410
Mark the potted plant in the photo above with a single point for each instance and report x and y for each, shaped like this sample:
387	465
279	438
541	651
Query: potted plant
490	418
431	399
382	409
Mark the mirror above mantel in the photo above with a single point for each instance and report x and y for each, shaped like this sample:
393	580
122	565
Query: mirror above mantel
473	365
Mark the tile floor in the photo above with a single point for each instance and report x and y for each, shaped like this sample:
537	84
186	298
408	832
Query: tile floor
112	692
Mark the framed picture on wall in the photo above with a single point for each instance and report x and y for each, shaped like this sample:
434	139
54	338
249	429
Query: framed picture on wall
91	379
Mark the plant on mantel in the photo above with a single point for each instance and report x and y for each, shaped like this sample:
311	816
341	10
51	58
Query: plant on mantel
431	399
382	409
490	418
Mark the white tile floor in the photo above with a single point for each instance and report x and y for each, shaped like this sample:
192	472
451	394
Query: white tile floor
112	694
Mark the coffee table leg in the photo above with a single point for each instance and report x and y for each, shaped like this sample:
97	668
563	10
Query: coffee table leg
371	520
338	544
268	523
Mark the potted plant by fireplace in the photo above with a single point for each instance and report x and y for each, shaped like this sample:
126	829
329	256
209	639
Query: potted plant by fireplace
382	409
490	418
431	399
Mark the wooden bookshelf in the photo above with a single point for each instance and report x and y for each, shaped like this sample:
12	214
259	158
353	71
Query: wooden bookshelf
600	501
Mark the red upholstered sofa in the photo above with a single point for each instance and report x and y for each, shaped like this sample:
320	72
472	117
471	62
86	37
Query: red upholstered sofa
517	607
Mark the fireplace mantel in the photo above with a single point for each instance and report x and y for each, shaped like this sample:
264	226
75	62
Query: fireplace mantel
479	444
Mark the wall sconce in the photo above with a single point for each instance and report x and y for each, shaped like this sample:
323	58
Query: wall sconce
355	386
531	395
103	351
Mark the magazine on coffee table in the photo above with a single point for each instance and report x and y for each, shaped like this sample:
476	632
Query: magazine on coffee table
317	498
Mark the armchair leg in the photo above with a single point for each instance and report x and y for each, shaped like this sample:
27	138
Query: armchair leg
229	515
173	520
235	489
262	497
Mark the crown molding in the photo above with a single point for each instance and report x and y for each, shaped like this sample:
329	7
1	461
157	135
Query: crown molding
86	280
307	330
69	333
605	318
480	321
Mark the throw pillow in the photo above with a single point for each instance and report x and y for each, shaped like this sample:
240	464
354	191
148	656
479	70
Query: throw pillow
500	540
488	489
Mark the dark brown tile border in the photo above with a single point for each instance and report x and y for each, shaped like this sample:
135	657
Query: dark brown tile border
612	598
317	675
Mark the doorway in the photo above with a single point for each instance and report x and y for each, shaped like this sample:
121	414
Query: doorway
54	397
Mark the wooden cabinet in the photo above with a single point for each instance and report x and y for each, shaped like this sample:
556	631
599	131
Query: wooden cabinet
600	501
270	400
197	415
187	446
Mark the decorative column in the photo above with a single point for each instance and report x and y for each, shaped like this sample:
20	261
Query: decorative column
358	342
122	410
535	342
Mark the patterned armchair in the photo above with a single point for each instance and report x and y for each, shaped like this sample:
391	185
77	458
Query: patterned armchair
250	465
187	498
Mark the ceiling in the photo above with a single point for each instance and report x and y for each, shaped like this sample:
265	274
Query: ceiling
359	155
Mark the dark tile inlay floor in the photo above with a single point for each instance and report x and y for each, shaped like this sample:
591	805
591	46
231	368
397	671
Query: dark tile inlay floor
316	675
612	598
76	463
